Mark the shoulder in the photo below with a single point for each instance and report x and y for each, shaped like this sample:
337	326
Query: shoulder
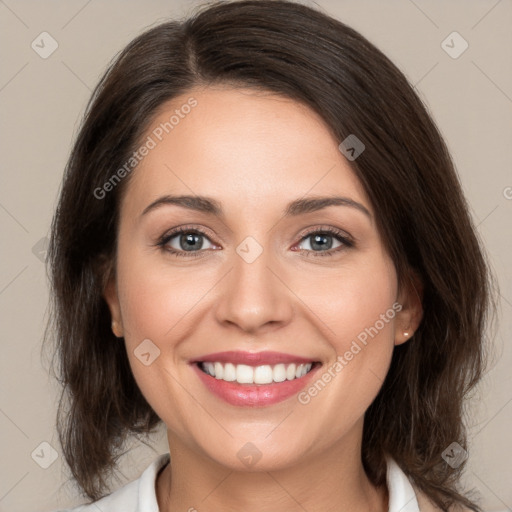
136	496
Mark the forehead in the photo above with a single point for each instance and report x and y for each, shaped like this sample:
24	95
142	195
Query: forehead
240	145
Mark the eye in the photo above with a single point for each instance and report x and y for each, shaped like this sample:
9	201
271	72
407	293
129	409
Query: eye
322	239
190	242
184	242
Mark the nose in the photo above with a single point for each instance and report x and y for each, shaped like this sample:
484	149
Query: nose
254	296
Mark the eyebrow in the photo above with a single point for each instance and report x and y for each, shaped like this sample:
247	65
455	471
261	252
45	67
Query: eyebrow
297	207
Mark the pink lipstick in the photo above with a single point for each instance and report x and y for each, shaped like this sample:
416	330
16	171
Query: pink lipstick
254	379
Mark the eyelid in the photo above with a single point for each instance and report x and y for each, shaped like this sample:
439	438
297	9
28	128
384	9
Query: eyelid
164	239
328	229
344	238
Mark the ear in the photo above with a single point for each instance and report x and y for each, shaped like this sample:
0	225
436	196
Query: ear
111	296
409	317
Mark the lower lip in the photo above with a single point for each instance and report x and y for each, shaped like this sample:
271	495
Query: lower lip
254	395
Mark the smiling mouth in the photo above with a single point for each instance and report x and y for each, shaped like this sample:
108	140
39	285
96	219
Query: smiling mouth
263	374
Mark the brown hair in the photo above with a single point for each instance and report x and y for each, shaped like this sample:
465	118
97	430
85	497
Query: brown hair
406	170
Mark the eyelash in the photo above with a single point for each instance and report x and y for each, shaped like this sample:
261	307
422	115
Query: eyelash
336	233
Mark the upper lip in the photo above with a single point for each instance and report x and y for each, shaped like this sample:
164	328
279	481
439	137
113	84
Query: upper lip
252	358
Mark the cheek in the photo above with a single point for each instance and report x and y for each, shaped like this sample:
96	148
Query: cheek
156	298
160	303
357	316
153	309
358	301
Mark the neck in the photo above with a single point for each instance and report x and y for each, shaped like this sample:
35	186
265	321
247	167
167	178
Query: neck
333	480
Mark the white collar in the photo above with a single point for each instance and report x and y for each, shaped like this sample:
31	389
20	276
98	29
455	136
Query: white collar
402	497
142	492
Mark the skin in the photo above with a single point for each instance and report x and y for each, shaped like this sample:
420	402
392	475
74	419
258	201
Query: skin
255	152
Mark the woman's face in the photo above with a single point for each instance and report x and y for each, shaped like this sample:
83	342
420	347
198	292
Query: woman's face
314	285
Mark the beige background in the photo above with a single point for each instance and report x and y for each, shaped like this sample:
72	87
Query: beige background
41	101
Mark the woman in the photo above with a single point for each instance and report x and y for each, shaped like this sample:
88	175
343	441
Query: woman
261	242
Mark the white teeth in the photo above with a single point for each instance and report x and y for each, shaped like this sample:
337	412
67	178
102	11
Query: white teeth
290	372
219	371
244	374
209	368
265	374
279	373
229	372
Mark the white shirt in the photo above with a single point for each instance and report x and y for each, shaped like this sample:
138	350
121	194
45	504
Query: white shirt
140	495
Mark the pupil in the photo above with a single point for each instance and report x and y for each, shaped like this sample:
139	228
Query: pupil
190	238
316	242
